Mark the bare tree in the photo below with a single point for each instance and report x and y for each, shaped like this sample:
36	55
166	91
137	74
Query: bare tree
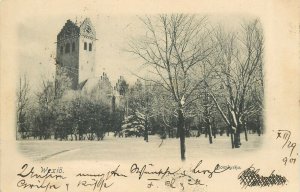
46	98
139	100
62	83
165	112
173	46
23	101
238	62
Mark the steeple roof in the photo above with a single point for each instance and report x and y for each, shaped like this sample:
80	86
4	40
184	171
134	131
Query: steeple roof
71	29
87	29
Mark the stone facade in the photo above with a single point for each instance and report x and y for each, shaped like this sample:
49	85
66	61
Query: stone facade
75	53
76	57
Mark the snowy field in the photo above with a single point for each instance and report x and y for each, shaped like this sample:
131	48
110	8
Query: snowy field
126	149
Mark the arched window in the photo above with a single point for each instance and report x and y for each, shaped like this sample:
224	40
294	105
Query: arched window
90	46
85	46
68	48
61	49
73	46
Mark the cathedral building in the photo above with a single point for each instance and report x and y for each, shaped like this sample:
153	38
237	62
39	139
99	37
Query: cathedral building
75	52
75	58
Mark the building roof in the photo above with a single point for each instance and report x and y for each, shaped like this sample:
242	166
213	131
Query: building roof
71	29
90	84
96	84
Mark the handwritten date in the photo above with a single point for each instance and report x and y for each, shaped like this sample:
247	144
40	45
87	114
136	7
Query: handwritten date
288	144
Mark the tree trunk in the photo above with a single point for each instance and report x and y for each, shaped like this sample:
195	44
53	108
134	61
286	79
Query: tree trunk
228	132
221	131
163	133
246	133
236	137
214	131
181	133
235	140
231	136
214	128
210	134
209	130
208	125
258	126
198	132
232	140
146	130
236	126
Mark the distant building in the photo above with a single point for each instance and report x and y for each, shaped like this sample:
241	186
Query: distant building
75	58
120	91
98	88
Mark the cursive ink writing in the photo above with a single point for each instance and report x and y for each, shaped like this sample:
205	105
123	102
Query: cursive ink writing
217	169
95	183
143	170
286	137
32	174
180	178
41	185
31	179
108	174
98	181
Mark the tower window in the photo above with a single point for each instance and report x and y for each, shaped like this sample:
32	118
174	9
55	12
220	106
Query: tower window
85	46
73	46
68	48
61	49
90	46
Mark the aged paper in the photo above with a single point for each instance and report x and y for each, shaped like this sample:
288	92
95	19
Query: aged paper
113	41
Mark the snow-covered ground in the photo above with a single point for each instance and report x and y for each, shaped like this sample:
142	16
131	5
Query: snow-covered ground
126	149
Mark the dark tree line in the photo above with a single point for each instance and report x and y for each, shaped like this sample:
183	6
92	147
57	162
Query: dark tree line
56	112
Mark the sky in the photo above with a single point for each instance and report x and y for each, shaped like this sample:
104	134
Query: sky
37	47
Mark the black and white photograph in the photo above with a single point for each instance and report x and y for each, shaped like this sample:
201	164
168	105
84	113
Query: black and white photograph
140	100
164	82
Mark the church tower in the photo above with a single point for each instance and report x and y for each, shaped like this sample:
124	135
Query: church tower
75	52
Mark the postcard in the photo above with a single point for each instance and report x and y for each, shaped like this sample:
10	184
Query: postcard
116	96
